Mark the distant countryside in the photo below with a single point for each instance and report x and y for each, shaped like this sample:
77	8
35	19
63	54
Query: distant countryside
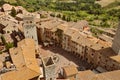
101	13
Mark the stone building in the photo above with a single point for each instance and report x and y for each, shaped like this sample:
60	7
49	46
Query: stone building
90	75
116	41
24	59
59	34
66	43
49	68
82	25
70	72
90	49
114	62
30	28
78	41
7	8
8	26
40	32
85	75
49	30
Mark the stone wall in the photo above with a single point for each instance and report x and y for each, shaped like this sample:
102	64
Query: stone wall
116	41
49	68
30	30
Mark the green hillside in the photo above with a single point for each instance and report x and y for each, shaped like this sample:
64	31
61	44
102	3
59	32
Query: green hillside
107	16
112	5
11	1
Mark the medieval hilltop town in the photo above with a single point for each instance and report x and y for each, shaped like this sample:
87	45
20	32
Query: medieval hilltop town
35	48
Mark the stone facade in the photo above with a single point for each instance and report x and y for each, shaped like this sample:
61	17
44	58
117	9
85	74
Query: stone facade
30	28
80	44
116	41
49	68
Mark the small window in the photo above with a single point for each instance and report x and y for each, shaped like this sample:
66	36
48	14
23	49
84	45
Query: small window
99	57
105	67
87	59
92	54
30	21
98	62
8	31
102	47
106	60
113	65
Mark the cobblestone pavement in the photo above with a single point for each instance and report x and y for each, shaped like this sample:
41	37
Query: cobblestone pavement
64	58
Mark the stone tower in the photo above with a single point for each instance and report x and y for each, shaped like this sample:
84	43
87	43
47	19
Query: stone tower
49	68
116	41
30	28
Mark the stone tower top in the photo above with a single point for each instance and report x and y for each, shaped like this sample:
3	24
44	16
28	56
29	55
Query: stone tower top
29	20
30	28
49	68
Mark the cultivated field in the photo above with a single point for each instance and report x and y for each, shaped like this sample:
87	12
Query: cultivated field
10	1
106	2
